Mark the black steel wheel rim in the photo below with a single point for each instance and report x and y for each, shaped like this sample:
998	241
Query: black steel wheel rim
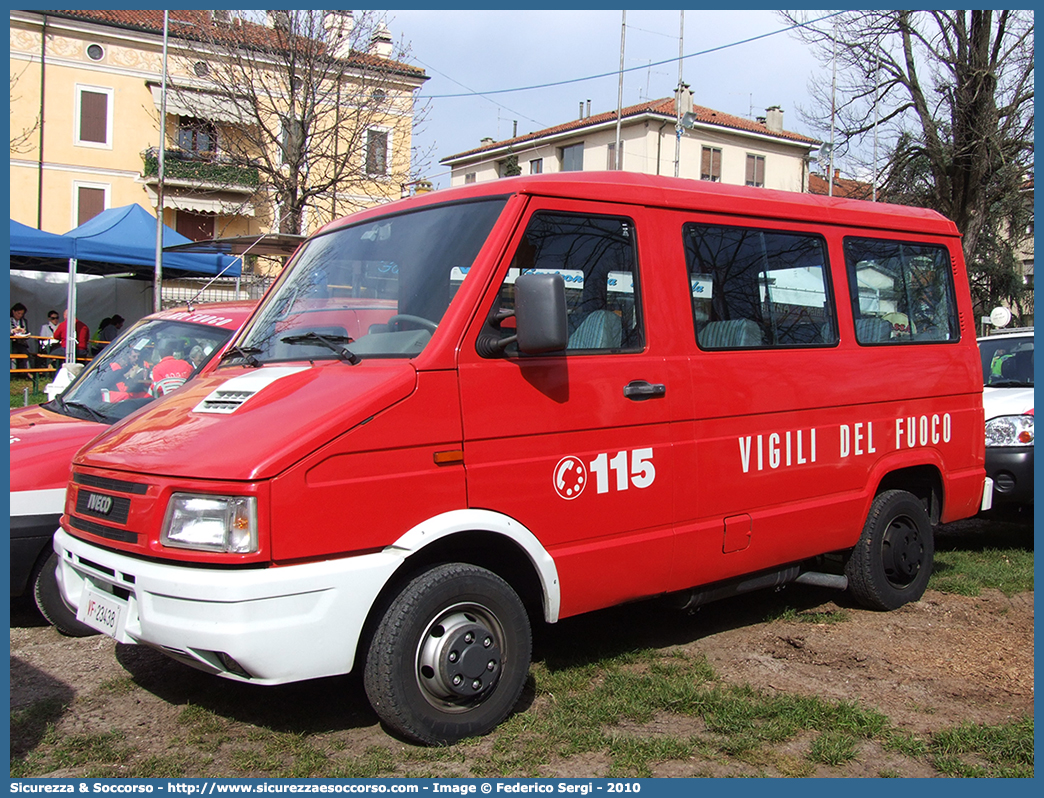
902	551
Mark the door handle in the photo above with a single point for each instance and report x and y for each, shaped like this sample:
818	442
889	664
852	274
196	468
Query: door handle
640	390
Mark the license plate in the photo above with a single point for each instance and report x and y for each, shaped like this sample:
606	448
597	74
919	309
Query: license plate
101	611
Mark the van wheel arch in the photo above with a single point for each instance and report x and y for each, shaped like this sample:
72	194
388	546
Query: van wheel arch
923	481
484	549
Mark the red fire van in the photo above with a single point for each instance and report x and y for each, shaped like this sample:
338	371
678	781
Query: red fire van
521	400
45	437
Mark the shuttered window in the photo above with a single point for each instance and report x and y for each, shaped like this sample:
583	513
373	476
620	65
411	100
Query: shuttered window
195	226
376	152
755	170
94	116
89	203
710	164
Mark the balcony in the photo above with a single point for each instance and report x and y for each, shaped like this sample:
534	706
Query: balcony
194	171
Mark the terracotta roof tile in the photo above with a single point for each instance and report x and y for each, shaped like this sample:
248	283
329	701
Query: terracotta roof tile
664	107
200	25
843	187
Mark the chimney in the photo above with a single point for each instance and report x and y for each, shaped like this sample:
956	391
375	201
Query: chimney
339	26
222	16
486	141
683	99
774	118
381	42
581	110
588	107
280	20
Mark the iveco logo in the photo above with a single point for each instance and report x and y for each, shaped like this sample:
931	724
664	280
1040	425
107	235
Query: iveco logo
99	504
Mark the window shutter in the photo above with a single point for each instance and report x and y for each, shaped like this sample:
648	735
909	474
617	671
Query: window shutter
377	153
89	203
94	117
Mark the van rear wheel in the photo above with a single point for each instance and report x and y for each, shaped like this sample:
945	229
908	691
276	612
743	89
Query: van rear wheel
450	655
891	563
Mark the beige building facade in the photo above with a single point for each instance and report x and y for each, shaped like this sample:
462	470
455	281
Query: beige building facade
712	146
86	89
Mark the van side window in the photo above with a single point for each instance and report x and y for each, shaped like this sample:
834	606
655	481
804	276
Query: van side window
758	288
596	257
901	293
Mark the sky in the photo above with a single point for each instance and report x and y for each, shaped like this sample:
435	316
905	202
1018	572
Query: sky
472	56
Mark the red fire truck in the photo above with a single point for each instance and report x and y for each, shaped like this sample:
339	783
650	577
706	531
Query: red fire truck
45	437
459	414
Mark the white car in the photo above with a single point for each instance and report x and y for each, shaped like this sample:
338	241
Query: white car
1007	397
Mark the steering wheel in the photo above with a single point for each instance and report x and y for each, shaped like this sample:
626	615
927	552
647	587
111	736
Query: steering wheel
427	324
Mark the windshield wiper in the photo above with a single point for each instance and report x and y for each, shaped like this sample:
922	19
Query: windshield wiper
1009	384
245	352
335	343
101	418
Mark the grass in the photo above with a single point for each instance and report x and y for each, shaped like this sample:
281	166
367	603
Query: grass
967	573
18	388
634	711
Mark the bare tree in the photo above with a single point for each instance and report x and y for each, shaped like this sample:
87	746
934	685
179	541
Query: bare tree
20	140
322	101
949	96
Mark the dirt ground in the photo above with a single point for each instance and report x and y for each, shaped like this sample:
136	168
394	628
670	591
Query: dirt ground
927	666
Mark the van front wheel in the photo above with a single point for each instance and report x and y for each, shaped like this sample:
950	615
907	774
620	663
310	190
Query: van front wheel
891	563
50	602
450	655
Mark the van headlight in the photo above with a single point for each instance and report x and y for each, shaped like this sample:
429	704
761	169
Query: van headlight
226	524
1010	431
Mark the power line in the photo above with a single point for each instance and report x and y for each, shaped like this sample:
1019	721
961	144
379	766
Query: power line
472	93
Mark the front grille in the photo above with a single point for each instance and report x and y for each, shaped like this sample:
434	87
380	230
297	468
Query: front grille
104	483
102	505
102	531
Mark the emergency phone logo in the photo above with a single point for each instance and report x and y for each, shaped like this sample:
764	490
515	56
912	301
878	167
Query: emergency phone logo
570	477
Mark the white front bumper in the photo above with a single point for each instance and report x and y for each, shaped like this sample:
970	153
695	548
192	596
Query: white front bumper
281	624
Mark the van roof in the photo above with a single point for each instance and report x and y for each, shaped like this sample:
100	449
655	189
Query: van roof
682	193
227	315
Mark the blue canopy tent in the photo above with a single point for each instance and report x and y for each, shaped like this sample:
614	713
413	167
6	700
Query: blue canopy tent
119	241
127	236
31	248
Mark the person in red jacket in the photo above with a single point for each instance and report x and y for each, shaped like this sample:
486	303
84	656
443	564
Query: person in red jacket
82	335
171	371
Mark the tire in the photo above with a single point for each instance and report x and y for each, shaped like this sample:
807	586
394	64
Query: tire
450	655
50	602
891	563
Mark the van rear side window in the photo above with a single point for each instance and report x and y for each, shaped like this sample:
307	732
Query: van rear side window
901	292
758	288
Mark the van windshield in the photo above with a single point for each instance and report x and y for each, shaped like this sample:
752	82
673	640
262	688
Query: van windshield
378	288
151	359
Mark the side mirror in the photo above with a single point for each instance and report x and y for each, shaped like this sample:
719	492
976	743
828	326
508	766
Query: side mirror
540	313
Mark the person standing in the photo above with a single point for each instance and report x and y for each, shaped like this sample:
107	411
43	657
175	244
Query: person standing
81	333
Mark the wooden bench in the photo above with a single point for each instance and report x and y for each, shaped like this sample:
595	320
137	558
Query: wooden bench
34	372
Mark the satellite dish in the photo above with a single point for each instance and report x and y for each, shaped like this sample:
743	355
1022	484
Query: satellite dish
1000	317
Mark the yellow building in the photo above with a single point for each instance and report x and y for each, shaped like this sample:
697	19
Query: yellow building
87	86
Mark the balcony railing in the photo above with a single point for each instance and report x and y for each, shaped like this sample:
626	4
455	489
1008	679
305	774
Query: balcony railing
182	165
